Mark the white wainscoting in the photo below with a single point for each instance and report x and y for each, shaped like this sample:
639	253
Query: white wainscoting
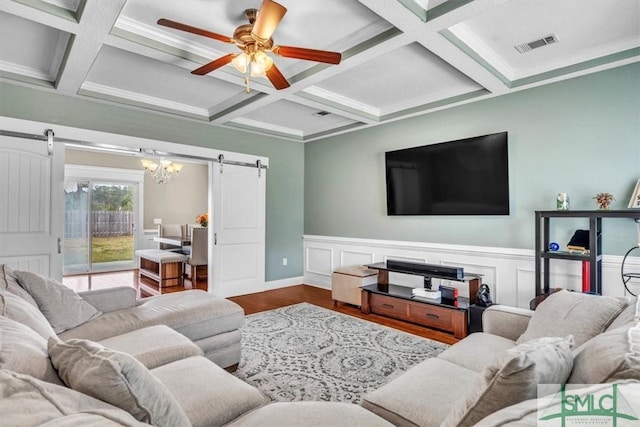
510	273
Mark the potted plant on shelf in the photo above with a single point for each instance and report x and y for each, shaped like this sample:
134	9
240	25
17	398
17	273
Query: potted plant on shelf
604	200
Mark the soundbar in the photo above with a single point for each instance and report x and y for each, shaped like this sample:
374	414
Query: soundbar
431	270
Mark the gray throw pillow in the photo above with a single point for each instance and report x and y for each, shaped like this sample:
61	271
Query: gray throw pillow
9	282
611	356
630	314
24	351
16	308
116	378
573	313
62	306
512	378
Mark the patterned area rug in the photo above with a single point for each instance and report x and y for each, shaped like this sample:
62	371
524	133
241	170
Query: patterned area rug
305	352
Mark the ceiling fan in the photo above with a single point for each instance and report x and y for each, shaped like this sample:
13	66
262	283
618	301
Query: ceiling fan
254	39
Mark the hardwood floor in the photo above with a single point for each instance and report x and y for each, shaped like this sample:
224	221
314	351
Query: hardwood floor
254	303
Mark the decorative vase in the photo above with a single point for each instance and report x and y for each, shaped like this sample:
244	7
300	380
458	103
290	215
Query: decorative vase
562	202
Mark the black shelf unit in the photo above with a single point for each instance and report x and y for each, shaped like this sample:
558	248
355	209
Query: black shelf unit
594	257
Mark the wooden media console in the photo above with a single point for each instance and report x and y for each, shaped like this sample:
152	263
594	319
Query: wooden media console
450	315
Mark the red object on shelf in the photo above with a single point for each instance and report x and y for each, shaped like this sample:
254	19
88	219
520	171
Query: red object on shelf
586	276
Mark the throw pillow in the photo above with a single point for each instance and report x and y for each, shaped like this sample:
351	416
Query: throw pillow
27	401
116	378
24	351
63	308
573	313
514	377
630	314
16	308
9	282
611	356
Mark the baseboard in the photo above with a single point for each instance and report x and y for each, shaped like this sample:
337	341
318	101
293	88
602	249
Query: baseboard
283	283
318	285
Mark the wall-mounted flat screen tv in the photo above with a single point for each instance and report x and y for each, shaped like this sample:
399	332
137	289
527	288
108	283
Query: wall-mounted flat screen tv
465	177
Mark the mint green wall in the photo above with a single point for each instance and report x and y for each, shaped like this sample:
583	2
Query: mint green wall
580	136
286	159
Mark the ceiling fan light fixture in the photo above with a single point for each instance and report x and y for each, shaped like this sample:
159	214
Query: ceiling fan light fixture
240	62
269	17
261	64
253	40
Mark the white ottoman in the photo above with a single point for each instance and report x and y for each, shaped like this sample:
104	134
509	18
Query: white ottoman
166	268
346	283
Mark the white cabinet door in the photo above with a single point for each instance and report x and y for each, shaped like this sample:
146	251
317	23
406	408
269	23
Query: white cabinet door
238	222
31	190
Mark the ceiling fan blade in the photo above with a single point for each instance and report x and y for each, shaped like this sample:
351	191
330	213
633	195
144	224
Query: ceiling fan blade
308	54
189	29
213	65
269	17
276	78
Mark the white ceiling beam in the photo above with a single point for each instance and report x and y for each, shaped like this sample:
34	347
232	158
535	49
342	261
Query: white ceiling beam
98	17
427	34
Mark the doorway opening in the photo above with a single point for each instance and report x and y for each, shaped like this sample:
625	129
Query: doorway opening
99	226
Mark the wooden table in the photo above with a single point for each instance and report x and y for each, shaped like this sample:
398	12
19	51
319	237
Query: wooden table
173	240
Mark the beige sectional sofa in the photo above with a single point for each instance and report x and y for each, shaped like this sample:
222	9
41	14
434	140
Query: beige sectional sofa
155	361
490	378
160	361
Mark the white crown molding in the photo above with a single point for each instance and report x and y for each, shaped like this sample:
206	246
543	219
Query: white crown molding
462	32
342	100
434	97
268	126
162	36
144	99
22	70
591	54
71	5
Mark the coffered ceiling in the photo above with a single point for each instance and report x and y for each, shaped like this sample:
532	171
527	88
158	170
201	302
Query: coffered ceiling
400	58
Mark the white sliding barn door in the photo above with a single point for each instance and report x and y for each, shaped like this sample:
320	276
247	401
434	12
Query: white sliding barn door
238	222
31	197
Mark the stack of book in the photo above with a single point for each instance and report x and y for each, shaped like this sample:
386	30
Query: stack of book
426	293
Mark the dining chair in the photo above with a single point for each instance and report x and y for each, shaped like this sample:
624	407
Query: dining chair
169	230
199	257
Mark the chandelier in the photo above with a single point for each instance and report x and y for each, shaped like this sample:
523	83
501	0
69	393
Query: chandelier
163	171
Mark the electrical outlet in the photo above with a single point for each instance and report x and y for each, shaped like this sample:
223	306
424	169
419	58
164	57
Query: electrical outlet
157	221
284	261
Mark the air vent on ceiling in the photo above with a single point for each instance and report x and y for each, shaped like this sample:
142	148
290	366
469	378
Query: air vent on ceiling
526	47
321	113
